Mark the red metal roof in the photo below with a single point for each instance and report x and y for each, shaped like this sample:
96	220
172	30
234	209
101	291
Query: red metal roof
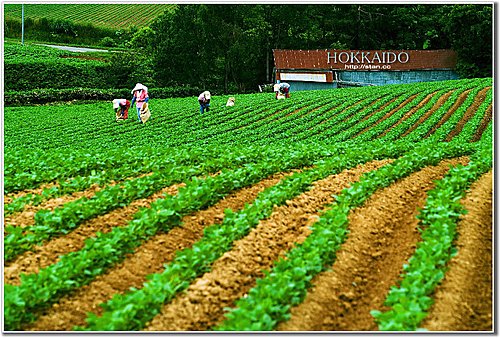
321	59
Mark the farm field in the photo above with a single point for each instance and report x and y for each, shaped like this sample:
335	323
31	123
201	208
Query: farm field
360	209
102	15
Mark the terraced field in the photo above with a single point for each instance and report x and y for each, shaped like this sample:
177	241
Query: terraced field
360	209
101	15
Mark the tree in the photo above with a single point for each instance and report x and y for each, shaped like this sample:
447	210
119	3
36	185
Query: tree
470	30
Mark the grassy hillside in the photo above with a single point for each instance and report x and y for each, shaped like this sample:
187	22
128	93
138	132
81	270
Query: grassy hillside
100	15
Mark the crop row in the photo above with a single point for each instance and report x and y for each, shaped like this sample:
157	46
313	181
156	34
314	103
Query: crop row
233	124
426	268
108	15
78	268
269	302
314	118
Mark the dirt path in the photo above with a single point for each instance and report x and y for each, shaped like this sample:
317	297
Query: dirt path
408	114
383	235
429	113
44	255
484	124
27	216
469	113
8	198
231	276
463	302
386	116
460	100
147	259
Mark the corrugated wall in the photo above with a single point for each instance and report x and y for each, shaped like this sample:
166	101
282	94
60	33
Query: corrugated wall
396	77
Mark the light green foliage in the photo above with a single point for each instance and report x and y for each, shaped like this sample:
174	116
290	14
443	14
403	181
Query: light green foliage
320	132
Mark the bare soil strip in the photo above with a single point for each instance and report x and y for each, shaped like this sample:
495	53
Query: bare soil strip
27	216
36	191
431	111
484	124
386	116
469	113
202	305
47	254
379	109
409	113
383	236
463	302
449	113
331	117
147	259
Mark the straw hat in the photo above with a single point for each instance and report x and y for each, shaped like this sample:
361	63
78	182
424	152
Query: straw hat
206	94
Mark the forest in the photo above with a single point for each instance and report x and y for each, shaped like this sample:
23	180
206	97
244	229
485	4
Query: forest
230	46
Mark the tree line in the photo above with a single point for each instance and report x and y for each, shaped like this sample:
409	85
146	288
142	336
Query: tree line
228	48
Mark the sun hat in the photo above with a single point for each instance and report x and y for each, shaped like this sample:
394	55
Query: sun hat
116	103
139	86
206	94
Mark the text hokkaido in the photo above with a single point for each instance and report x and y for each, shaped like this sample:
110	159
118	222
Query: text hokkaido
368	57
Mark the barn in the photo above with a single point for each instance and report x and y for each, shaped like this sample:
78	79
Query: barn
332	68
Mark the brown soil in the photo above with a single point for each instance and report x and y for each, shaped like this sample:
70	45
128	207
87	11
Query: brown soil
383	236
483	124
47	254
347	108
428	114
377	110
27	216
409	113
37	191
469	113
149	258
386	116
231	276
449	113
463	302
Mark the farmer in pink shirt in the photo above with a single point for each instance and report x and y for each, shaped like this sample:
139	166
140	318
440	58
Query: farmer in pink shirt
139	95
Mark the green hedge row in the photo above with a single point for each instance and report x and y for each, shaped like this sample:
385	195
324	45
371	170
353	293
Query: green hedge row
42	96
63	73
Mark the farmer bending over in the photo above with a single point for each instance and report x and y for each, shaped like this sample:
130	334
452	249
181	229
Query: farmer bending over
204	100
121	107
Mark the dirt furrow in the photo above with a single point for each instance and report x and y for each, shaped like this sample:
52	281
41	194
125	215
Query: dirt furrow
8	198
461	98
147	259
463	302
27	216
44	255
429	113
231	276
408	114
382	237
469	113
386	116
337	113
483	124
